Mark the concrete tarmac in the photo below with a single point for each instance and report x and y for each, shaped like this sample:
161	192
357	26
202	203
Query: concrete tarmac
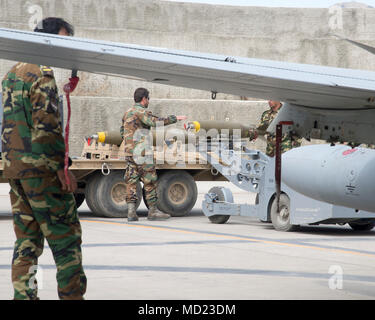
190	258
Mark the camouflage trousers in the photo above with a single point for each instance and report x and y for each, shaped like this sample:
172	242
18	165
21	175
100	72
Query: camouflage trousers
145	173
287	143
42	210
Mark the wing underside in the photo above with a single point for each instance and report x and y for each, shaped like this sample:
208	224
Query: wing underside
305	85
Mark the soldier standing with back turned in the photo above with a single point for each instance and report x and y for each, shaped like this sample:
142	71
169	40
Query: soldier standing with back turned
288	141
134	119
42	201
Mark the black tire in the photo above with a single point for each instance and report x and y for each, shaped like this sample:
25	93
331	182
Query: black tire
79	197
257	202
144	198
362	225
281	220
218	219
177	193
91	193
111	192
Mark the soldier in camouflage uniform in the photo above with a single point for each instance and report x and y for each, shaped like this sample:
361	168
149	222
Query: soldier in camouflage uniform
137	149
288	141
42	201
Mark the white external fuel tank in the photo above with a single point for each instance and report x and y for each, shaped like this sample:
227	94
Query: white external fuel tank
339	174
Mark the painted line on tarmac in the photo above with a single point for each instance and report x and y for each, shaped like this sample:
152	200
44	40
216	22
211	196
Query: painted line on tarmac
242	238
141	244
161	243
370	280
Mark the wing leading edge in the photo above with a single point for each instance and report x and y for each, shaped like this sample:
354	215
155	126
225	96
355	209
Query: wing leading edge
323	102
299	84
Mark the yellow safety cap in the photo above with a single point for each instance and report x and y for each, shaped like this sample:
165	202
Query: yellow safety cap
101	137
197	126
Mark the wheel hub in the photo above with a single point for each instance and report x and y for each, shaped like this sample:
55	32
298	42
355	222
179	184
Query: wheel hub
177	193
118	193
284	213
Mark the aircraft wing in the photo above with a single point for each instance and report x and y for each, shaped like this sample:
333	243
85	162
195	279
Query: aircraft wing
319	90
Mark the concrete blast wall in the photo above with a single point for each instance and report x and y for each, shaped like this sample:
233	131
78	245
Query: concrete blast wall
285	34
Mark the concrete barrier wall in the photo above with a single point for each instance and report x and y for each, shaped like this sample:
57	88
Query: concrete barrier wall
285	34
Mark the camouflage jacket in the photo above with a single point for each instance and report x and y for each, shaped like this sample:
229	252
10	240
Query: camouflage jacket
266	119
139	118
32	141
288	141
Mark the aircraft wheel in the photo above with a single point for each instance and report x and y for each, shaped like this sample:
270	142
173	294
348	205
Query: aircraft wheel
281	220
220	196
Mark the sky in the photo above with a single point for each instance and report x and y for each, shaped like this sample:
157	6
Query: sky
279	3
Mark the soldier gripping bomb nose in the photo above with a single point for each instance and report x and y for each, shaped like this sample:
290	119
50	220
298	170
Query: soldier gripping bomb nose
137	118
288	141
42	201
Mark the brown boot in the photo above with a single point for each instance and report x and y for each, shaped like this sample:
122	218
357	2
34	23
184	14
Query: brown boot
155	214
132	215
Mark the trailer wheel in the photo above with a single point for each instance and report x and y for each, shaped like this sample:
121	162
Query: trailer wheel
91	194
79	197
218	219
281	220
177	193
111	193
362	225
144	198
